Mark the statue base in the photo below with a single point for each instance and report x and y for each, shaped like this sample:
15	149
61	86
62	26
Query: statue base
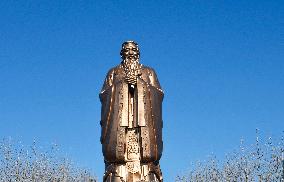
132	173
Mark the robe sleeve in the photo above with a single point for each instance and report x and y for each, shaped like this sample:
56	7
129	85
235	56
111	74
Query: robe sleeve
108	81
106	95
154	80
150	97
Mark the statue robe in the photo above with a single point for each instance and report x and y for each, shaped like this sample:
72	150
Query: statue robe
148	97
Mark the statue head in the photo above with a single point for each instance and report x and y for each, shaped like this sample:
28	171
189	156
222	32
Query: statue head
130	51
130	60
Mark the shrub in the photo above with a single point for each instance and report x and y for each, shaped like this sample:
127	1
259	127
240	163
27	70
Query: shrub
33	165
261	162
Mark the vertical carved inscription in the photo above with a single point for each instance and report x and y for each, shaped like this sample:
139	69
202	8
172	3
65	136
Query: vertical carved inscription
121	130
145	142
141	103
120	143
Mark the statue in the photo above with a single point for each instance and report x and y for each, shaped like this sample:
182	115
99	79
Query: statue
131	120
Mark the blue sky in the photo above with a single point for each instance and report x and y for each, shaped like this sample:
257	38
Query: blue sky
220	64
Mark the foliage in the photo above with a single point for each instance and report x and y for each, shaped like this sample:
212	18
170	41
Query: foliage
32	165
261	162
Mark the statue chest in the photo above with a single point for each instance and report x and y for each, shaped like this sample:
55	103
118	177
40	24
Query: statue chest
119	75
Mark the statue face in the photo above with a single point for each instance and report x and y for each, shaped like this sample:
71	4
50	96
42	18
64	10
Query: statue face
130	51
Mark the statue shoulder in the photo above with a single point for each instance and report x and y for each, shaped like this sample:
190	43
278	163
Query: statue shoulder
148	70
149	75
110	77
113	70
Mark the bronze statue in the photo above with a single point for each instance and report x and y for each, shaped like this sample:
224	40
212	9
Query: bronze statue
131	120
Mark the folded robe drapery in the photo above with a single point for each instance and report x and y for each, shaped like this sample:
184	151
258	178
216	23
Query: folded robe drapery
114	116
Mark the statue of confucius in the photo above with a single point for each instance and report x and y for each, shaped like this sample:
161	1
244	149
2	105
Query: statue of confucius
131	120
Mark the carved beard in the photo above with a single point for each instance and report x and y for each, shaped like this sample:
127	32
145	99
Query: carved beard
131	68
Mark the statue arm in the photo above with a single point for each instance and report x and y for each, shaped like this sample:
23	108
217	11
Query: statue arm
154	81
152	78
106	98
108	81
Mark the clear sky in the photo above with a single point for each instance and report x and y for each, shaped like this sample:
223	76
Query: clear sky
220	64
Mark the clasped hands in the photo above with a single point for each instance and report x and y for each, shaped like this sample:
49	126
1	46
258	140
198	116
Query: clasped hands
132	78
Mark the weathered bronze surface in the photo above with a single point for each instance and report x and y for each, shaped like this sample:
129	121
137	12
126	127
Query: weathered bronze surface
131	120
